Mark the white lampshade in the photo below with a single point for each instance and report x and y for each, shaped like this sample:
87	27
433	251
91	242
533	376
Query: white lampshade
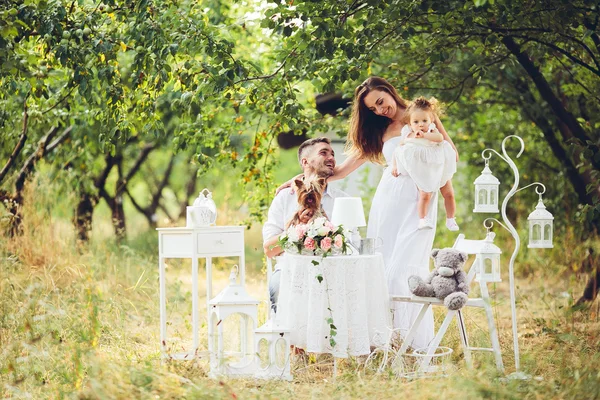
348	211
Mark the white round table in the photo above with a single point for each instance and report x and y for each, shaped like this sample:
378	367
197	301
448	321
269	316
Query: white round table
353	292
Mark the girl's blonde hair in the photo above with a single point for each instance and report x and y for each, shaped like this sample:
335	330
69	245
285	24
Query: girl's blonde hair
421	103
365	137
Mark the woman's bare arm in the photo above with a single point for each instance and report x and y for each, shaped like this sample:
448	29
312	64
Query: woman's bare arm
349	165
340	172
440	128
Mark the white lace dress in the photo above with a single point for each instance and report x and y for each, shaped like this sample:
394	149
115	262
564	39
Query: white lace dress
406	250
428	163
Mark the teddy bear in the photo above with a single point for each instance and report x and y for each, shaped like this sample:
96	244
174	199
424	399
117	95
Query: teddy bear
448	281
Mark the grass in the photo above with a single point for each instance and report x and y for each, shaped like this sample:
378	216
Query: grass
83	322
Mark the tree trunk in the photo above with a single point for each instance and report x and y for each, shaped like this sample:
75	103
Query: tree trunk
590	292
118	217
83	216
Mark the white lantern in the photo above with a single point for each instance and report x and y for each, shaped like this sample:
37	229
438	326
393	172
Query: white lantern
272	343
232	320
488	261
486	191
540	227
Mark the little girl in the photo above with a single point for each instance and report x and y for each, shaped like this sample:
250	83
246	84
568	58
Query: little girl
428	159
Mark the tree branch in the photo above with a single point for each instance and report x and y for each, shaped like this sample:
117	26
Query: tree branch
19	145
548	94
562	51
56	142
33	158
254	78
138	163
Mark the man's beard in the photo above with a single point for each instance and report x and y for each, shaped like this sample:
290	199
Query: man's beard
324	172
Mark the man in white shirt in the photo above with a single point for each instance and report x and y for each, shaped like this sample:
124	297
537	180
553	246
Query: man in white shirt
317	160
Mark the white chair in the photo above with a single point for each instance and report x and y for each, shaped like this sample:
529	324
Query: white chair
469	247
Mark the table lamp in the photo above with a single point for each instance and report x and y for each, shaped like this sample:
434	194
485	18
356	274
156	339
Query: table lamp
348	211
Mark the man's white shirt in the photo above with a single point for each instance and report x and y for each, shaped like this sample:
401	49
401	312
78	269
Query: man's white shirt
285	205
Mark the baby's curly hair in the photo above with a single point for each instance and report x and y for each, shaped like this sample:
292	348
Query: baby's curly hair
421	103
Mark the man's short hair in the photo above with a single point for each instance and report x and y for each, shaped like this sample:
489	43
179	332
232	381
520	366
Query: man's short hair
307	144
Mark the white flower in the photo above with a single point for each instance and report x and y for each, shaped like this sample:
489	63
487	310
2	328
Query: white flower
320	221
292	234
324	230
312	231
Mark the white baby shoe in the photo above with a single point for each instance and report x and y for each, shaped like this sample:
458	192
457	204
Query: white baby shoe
452	225
425	223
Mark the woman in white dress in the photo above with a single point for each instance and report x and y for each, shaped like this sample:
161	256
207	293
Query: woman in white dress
378	115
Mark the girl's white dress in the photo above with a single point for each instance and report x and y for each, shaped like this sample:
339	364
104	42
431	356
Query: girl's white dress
406	250
428	163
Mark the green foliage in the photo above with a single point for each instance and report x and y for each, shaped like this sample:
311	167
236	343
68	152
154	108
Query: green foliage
221	82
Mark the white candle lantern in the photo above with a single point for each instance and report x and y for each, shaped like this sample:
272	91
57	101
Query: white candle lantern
203	212
488	259
233	315
272	343
486	191
540	227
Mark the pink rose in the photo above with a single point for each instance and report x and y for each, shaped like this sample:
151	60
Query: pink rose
300	230
326	243
338	241
309	243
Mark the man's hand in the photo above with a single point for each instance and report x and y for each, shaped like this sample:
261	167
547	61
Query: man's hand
289	183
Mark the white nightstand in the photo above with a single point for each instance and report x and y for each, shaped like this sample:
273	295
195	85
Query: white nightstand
194	243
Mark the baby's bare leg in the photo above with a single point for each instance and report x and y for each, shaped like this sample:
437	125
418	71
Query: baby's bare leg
423	204
449	203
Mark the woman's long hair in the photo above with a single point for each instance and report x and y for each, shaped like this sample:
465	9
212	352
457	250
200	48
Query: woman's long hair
365	138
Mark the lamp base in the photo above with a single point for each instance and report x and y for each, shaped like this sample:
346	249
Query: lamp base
355	238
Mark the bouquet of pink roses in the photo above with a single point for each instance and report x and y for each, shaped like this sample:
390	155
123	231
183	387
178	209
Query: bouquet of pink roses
318	237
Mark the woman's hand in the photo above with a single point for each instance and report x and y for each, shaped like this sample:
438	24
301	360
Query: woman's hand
394	172
456	151
289	183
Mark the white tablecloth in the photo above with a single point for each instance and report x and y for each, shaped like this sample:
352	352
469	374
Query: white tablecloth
355	290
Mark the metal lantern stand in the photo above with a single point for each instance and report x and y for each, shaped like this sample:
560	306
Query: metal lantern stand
486	155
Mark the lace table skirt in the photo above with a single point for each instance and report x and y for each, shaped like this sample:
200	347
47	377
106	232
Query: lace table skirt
355	290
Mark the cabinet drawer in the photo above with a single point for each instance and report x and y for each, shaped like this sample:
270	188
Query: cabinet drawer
176	245
220	243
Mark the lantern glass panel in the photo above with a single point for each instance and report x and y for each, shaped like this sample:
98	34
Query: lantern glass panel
281	353
536	233
548	232
238	332
482	196
493	196
263	353
487	266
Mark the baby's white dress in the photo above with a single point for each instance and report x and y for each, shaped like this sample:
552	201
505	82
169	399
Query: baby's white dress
428	163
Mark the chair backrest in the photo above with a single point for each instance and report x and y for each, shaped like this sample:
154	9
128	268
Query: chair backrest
470	247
